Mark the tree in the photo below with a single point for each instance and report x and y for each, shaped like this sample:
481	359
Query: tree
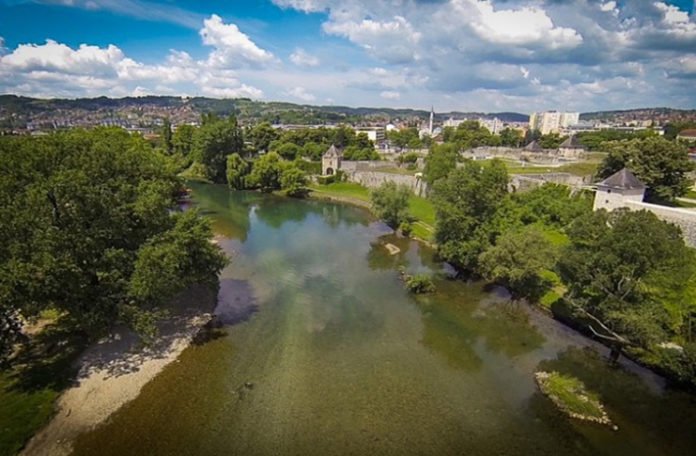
237	171
261	136
79	209
662	165
214	141
518	261
441	160
182	140
288	151
390	202
511	138
551	141
293	181
265	172
167	135
552	205
606	268
467	203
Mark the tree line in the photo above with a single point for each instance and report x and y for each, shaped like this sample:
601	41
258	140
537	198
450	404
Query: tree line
625	277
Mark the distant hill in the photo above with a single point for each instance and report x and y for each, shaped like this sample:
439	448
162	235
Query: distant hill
20	112
659	115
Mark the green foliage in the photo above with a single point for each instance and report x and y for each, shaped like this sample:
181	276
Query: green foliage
606	266
288	151
470	134
441	160
309	167
265	172
293	181
419	284
237	172
466	203
410	157
406	227
511	138
572	396
357	153
679	364
261	136
78	208
660	164
552	205
406	138
518	261
390	203
167	135
594	140
214	141
551	141
182	139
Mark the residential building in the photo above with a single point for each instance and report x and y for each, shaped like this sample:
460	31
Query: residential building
552	121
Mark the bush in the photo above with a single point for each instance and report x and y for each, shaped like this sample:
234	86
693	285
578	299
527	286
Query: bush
309	167
293	181
326	180
419	284
405	227
390	203
680	365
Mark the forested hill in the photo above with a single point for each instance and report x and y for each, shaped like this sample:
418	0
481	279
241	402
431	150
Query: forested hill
658	115
17	112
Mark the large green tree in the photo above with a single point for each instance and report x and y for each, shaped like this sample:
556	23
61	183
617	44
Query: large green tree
518	261
390	202
214	141
607	268
265	172
80	211
662	165
237	172
261	136
441	160
467	203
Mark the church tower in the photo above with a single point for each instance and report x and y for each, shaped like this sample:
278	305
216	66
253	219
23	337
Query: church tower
432	117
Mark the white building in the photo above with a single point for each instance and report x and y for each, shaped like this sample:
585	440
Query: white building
620	188
552	121
375	135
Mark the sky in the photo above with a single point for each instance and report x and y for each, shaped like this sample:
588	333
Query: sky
466	55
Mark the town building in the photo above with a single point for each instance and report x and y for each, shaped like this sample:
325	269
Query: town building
687	135
376	135
571	148
552	121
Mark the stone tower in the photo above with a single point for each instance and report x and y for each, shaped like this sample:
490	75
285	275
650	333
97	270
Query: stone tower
616	190
331	161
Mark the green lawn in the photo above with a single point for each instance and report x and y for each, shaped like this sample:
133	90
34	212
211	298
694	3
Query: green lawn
419	207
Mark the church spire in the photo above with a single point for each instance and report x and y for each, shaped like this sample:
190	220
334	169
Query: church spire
432	117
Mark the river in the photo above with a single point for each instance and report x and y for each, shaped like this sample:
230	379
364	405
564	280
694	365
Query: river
325	353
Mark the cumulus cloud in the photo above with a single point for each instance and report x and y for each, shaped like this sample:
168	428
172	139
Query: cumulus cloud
301	94
56	69
232	47
301	58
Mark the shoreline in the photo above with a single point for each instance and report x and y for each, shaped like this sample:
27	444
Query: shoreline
112	372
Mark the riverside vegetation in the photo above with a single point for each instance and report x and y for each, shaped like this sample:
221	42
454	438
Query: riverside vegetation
90	233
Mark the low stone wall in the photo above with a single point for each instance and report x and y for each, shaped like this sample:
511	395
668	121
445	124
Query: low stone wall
547	156
526	182
683	218
364	165
373	179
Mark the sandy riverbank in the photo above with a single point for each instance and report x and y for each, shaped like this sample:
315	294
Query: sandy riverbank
112	373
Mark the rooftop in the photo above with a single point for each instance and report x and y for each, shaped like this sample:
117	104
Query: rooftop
624	180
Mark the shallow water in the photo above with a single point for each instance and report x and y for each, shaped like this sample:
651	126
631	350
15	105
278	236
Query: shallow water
325	353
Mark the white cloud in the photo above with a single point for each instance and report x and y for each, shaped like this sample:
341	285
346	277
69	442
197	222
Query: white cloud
301	58
390	95
301	94
393	40
525	72
232	47
528	25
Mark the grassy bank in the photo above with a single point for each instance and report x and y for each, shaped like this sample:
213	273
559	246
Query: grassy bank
420	208
28	390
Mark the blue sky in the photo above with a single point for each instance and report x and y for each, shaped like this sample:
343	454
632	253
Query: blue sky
487	55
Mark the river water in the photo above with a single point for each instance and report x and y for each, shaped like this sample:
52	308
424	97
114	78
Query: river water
325	353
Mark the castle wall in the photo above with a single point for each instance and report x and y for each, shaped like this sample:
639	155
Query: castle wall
527	182
373	179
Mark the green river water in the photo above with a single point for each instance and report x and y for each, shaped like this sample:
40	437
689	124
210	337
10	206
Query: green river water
341	360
